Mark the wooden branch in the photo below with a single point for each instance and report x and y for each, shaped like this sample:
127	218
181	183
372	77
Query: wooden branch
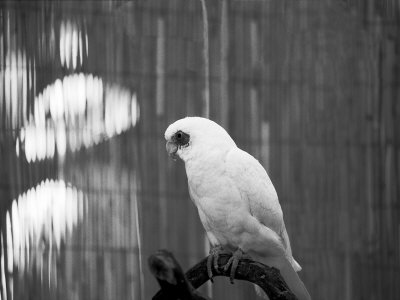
169	274
268	278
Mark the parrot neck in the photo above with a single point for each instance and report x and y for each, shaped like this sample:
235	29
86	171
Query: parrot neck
202	163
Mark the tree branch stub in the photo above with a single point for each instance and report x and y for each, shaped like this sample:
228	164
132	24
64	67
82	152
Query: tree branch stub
172	280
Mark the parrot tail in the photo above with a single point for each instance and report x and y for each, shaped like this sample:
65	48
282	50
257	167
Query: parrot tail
289	275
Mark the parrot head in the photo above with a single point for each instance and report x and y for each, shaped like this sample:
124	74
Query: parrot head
193	137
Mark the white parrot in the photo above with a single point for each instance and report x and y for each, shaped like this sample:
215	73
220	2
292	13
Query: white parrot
236	200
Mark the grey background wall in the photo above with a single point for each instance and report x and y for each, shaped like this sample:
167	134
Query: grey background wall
310	88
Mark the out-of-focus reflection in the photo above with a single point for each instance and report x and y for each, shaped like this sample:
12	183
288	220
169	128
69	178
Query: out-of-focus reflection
55	233
19	76
77	111
72	42
41	218
37	224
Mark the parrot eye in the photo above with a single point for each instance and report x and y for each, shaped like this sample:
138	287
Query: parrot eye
181	138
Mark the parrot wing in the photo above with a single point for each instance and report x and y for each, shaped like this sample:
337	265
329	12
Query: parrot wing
256	186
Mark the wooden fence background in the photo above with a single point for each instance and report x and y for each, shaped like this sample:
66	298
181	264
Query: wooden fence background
310	88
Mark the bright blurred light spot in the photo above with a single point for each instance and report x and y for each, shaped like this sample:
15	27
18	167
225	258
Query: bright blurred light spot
135	110
50	142
77	111
9	243
14	73
71	43
41	217
57	102
61	140
17	147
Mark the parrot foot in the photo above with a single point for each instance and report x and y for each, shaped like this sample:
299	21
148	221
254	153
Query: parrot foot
234	261
213	259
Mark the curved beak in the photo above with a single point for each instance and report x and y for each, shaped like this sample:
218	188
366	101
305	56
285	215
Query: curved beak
172	148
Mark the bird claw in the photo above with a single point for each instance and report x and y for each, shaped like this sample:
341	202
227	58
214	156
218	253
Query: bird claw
212	259
233	262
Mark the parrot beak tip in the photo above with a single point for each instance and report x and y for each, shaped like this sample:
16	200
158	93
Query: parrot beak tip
172	148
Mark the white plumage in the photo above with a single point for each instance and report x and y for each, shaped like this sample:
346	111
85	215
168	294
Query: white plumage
236	200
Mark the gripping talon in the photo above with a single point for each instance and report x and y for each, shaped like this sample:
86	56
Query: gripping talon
209	271
228	264
216	261
233	262
214	254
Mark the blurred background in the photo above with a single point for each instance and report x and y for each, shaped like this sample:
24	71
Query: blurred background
87	89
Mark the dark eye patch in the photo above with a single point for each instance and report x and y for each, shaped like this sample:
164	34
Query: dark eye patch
181	138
